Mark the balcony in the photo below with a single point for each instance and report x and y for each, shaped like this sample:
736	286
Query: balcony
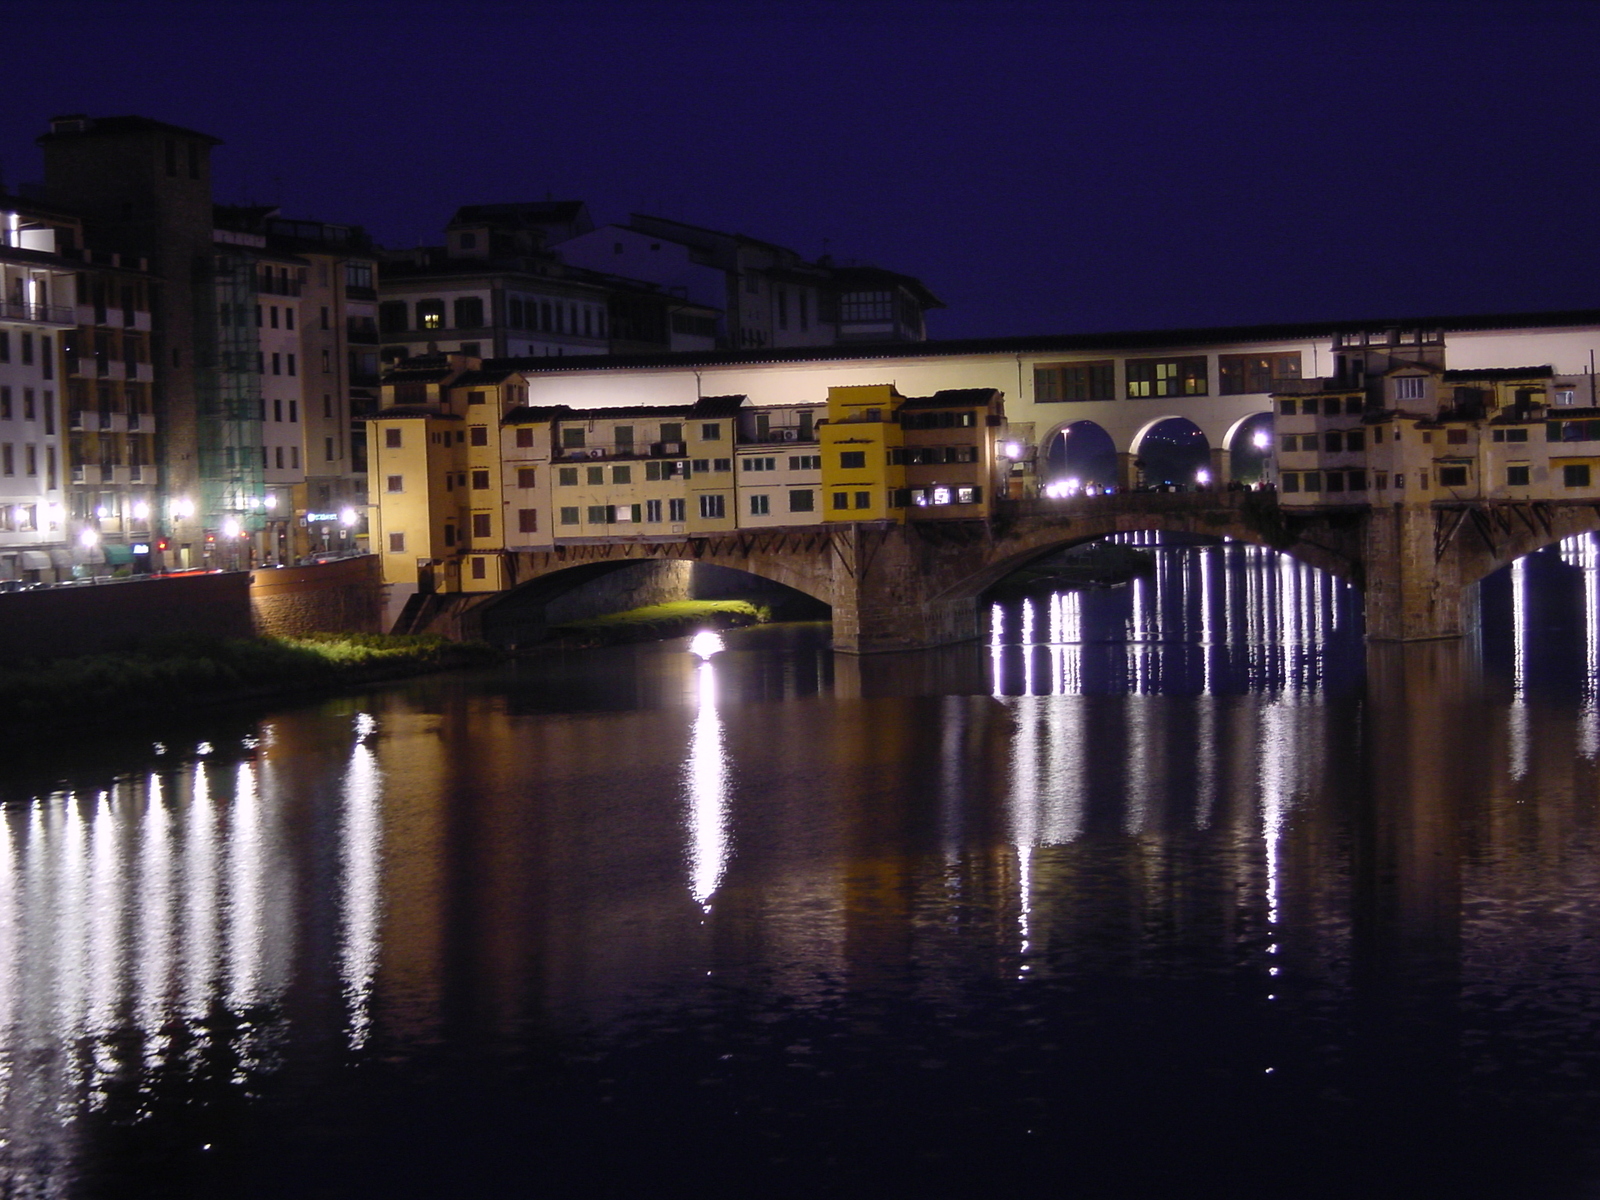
779	435
38	314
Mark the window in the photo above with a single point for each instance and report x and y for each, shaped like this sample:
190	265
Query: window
969	495
1333	441
701	466
396	483
1573	475
863	499
1290	481
1166	376
430	314
1075	381
595	476
327	447
294	458
1355	439
711	432
759	506
841	499
527	520
761	464
277	363
597	514
480	567
1246	374
478	435
1409	387
358	275
30	459
722	464
802	501
391	316
480	481
572	439
1452	477
525	477
524	439
481	525
622	475
1510	435
1313	481
1516	476
397	543
676	509
672	431
569	516
279	462
713	506
469	312
853	460
1455	437
567	476
652	511
805	462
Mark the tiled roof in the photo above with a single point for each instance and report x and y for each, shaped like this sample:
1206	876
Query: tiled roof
130	124
952	398
1489	374
396	411
1085	343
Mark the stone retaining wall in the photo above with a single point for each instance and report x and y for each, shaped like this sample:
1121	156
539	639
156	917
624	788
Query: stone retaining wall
345	596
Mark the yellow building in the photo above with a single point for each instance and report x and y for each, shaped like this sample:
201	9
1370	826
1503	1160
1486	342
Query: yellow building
434	470
863	455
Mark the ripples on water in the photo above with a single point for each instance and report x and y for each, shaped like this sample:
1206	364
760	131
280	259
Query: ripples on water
1170	889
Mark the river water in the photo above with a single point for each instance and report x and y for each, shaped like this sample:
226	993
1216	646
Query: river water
1173	889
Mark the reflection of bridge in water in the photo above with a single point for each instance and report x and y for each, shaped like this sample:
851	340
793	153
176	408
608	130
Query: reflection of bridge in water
895	587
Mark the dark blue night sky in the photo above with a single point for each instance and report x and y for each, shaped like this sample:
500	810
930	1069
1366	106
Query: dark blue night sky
1044	167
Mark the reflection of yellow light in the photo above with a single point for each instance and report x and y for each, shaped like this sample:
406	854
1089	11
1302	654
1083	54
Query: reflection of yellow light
706	779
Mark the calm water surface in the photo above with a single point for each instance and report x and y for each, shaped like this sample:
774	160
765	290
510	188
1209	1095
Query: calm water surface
1173	889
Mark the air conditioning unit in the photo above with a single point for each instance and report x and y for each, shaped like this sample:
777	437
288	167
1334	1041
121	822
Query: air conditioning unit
787	435
597	454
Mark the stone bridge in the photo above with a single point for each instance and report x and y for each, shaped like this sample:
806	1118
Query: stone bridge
897	587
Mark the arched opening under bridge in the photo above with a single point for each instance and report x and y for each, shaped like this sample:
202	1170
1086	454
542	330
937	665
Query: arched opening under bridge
530	611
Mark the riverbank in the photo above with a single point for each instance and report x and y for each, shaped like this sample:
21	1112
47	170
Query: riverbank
655	623
169	675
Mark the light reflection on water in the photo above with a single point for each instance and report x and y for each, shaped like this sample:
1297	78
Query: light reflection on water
927	884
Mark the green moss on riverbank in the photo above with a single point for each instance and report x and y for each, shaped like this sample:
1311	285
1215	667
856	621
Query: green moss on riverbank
175	673
658	621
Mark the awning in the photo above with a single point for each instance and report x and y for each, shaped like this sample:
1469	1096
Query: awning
36	560
116	554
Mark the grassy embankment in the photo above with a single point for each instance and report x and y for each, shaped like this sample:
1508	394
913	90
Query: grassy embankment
658	621
168	674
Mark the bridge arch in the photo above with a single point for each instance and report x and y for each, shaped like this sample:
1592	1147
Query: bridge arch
1080	449
1174	450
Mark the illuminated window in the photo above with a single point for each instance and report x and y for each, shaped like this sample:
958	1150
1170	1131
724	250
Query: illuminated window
941	495
1166	376
430	314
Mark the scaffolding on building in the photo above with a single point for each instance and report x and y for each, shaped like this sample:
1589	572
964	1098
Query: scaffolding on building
232	483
